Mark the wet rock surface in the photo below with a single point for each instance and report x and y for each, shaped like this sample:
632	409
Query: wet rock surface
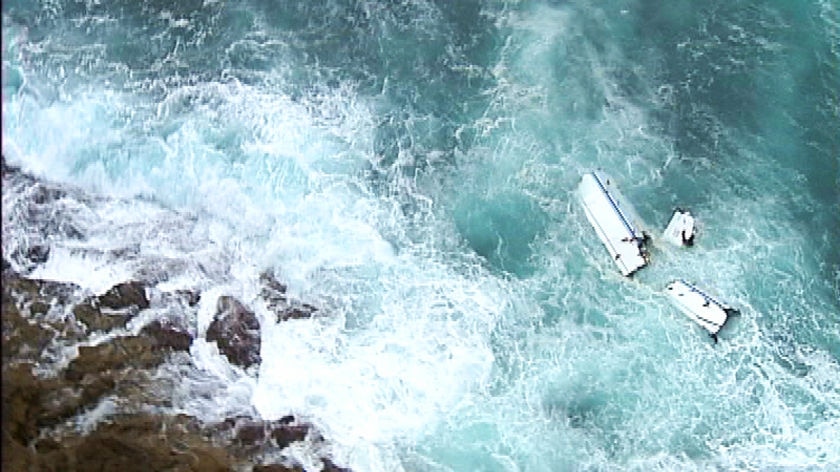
67	354
38	412
114	308
125	295
274	293
236	331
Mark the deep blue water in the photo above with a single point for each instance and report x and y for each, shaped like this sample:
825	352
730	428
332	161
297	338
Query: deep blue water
410	166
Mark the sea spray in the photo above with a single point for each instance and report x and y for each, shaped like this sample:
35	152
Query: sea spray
410	168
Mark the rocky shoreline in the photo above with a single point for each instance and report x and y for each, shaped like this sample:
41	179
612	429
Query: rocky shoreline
81	391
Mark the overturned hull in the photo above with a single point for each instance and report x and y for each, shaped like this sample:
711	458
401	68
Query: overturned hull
611	217
699	306
680	230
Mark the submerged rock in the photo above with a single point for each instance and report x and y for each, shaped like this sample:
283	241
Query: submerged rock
274	293
190	296
236	331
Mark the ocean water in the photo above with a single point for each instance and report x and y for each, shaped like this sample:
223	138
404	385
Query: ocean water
409	167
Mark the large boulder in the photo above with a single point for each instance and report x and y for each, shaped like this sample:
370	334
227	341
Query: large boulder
236	331
125	295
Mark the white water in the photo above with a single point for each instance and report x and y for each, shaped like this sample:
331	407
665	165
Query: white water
422	356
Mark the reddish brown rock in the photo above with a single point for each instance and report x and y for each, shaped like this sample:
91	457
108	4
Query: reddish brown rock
236	331
125	295
138	352
40	411
167	335
89	314
125	298
21	403
286	434
22	339
137	442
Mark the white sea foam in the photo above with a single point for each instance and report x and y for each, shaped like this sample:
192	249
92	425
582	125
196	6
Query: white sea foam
419	353
94	272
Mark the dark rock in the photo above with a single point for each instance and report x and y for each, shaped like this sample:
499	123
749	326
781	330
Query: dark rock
47	445
92	317
191	297
21	403
49	291
287	434
166	334
288	419
252	433
128	297
125	295
39	413
118	353
14	284
38	254
16	456
276	468
140	443
304	310
247	431
274	293
6	168
22	338
235	330
329	466
272	289
27	334
42	194
38	307
62	400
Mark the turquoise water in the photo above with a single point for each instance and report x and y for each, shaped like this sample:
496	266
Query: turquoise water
411	166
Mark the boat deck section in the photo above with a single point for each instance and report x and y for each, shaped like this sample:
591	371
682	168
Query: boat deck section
699	306
609	215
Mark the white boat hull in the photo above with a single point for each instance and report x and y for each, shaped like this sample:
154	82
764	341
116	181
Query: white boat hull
610	216
680	230
699	306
